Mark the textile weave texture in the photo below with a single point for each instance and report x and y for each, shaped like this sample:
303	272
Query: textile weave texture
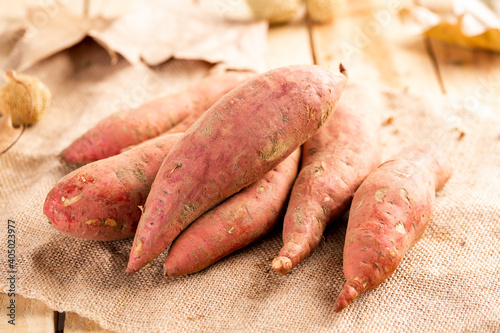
448	282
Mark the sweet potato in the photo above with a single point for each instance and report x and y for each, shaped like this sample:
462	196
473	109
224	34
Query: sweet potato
185	123
235	223
237	141
130	127
335	161
101	200
178	128
389	213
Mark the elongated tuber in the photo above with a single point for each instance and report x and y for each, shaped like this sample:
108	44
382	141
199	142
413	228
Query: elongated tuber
389	214
242	137
335	161
235	223
102	200
130	127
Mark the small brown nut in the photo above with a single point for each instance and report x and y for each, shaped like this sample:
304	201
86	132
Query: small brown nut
25	98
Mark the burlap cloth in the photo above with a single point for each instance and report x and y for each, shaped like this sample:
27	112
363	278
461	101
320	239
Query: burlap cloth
448	282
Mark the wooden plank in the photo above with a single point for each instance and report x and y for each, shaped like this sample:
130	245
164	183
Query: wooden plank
31	316
77	324
288	45
472	75
374	47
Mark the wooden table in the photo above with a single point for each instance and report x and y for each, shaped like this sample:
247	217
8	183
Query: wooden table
368	39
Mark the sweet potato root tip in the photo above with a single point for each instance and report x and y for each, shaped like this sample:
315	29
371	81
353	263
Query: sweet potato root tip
168	272
130	270
343	70
346	296
282	265
171	271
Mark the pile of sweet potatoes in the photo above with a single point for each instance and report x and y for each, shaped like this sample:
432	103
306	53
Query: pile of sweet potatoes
215	168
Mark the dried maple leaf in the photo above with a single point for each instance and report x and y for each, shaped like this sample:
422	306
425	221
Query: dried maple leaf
12	25
151	31
159	30
50	27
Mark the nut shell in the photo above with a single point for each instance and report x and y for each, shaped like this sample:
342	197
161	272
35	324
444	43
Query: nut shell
25	97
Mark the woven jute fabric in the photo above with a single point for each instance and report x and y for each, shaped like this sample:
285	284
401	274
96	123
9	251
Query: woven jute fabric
448	282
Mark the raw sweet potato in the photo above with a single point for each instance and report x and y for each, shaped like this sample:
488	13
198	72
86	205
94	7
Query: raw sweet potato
389	213
237	141
335	161
235	223
178	128
185	123
130	127
101	200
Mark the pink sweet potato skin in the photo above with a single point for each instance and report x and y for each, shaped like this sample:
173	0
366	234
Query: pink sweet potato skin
390	212
235	223
183	125
133	126
335	161
100	200
237	141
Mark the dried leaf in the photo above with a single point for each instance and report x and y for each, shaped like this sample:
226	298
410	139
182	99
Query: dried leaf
159	30
8	40
12	15
55	27
12	25
150	31
468	23
8	134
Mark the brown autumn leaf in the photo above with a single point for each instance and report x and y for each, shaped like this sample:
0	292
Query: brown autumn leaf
156	31
12	24
52	26
149	31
